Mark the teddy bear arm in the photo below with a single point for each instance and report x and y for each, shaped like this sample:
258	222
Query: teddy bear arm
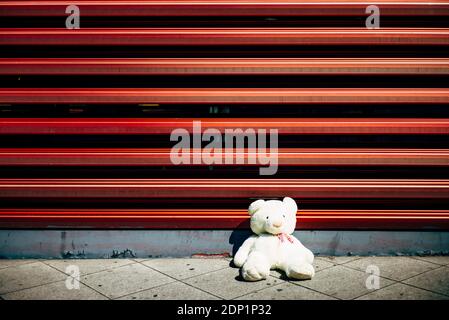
307	255
305	252
243	252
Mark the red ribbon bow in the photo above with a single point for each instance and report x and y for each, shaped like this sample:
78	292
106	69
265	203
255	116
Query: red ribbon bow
282	235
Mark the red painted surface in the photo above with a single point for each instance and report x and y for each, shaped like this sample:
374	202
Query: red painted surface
224	66
224	188
224	8
255	96
161	157
83	126
225	36
393	192
218	219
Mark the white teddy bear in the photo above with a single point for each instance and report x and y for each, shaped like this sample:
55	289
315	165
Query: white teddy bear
273	246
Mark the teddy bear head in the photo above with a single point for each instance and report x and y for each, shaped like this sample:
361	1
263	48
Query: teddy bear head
273	216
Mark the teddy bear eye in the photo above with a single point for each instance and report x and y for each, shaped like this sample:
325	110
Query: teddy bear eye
283	215
267	217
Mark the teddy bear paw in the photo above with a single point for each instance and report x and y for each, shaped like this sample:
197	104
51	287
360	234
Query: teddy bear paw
239	260
300	271
255	272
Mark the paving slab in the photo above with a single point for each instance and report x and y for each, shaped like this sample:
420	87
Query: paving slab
338	259
402	277
172	291
400	291
441	260
6	263
340	282
55	291
319	264
125	280
395	268
88	266
186	268
435	280
285	291
27	275
227	283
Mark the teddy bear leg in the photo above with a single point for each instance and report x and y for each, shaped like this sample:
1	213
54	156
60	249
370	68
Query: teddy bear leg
256	267
300	271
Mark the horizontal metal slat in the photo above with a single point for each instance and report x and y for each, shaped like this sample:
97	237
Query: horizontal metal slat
131	126
223	188
223	95
229	66
225	36
286	157
224	8
214	218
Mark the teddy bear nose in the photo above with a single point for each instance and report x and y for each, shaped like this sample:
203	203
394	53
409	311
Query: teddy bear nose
277	224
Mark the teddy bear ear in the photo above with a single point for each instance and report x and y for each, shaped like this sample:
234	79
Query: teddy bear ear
256	205
291	204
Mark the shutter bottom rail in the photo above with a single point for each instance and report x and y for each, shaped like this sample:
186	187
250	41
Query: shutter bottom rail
217	219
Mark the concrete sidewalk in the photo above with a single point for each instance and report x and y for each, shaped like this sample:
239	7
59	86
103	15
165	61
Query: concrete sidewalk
214	278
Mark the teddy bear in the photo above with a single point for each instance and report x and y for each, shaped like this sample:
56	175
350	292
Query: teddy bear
273	246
